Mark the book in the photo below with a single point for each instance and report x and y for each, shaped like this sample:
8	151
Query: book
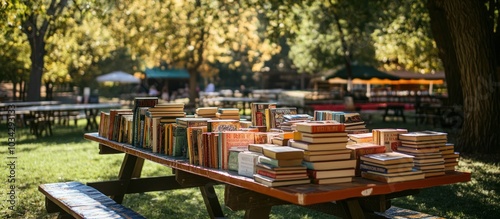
404	173
257	147
322	174
206	110
280	170
229	139
383	169
330	165
332	180
229	111
324	139
423	136
318	146
326	152
247	161
387	158
360	149
388	137
221	125
298	135
270	182
279	163
275	117
279	175
381	178
282	152
258	116
362	137
312	127
327	157
411	150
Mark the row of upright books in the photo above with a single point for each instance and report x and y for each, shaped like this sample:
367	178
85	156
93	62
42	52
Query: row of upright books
279	146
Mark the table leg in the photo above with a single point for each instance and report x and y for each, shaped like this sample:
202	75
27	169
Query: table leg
211	201
131	168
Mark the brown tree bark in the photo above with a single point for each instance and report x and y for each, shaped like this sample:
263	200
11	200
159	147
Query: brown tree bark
442	36
471	35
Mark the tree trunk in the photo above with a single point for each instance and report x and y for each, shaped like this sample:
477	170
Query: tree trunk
472	40
37	45
447	53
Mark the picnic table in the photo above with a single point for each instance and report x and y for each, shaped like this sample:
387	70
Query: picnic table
359	199
42	115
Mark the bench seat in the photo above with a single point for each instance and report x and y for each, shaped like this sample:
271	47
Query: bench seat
82	201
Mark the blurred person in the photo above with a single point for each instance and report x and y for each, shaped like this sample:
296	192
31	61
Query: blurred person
210	88
153	91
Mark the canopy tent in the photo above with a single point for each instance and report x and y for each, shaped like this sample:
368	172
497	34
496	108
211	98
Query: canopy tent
118	76
166	73
362	72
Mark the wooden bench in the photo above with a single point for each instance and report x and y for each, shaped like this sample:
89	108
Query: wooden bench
76	200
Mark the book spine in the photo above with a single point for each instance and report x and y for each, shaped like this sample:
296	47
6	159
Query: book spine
365	167
246	164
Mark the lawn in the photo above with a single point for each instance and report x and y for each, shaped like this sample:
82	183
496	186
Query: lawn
66	156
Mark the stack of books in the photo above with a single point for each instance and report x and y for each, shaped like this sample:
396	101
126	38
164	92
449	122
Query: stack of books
274	161
289	121
425	146
206	112
450	156
325	154
259	113
389	137
156	116
353	122
228	113
275	116
360	149
389	167
282	138
360	138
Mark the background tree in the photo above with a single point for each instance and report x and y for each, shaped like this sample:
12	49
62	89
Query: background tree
465	35
194	35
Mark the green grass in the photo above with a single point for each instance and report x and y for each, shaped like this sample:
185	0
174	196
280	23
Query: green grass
66	156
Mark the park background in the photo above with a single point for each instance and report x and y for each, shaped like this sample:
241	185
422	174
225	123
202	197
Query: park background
55	48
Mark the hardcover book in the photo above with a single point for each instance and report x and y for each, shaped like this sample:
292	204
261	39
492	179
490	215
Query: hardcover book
311	127
318	146
231	139
387	158
322	174
270	182
330	165
283	152
423	136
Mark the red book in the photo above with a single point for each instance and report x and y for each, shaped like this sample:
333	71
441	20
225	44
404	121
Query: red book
311	127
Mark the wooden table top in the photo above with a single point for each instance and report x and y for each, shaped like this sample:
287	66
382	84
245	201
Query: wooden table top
306	194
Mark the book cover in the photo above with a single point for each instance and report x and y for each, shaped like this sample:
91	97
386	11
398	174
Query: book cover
282	176
387	158
258	116
423	136
223	125
360	149
381	169
330	165
311	127
277	115
232	162
282	152
247	161
231	139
